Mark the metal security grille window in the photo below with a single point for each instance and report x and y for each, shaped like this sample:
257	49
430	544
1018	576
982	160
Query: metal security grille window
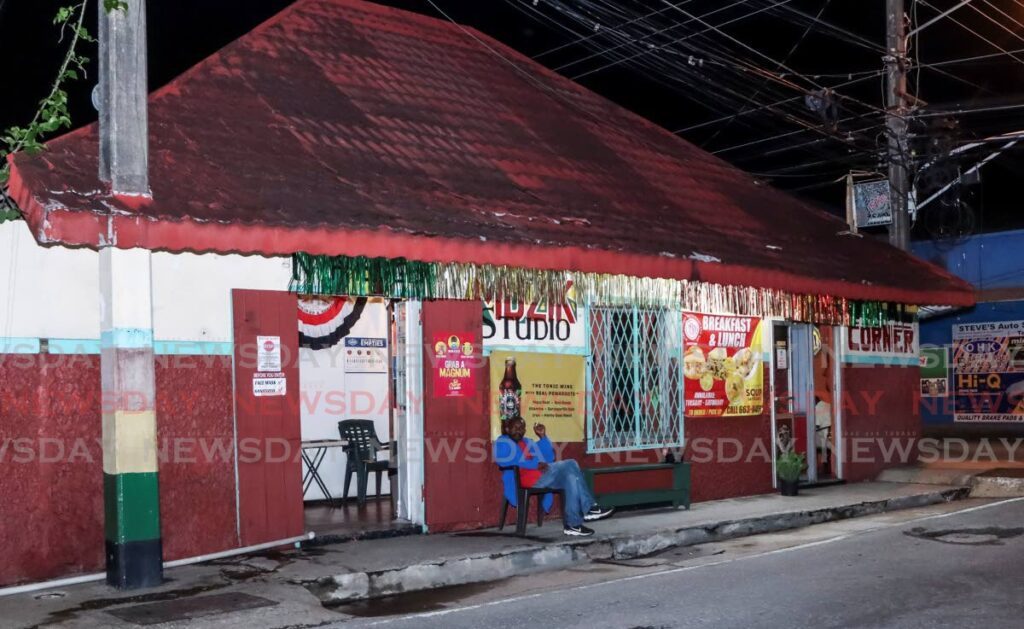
634	379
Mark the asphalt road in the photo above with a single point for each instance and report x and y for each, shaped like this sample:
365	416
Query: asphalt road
942	568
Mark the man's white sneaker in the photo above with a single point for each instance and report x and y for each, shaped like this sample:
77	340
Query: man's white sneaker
598	513
578	531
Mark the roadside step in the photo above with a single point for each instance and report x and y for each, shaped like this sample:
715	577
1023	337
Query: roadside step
1005	482
927	475
631	540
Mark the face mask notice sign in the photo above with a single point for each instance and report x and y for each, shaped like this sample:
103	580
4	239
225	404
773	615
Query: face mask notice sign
269	384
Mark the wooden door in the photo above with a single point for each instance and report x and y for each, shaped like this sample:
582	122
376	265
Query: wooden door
461	484
268	425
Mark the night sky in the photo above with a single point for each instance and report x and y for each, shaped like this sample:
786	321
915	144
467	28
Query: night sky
183	32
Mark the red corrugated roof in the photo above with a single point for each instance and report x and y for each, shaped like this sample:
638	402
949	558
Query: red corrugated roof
346	128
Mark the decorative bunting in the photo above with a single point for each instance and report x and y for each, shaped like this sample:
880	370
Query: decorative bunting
325	320
408	279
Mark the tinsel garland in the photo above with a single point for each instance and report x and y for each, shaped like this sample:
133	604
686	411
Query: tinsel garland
399	278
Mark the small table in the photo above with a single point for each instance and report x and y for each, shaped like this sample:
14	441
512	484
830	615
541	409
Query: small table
312	473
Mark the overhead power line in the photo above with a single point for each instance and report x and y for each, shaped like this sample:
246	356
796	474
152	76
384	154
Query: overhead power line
974	32
590	36
745	67
789	55
937	18
653	49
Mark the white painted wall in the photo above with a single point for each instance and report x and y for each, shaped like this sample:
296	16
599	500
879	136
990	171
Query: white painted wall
46	292
328	395
53	292
192	293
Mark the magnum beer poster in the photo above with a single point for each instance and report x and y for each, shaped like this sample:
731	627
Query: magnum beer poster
722	365
454	365
553	392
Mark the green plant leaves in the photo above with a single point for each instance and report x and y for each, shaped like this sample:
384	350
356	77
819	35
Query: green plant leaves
52	114
790	465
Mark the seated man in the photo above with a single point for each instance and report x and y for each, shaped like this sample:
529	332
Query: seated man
538	468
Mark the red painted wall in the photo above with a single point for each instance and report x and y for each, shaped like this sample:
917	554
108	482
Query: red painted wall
735	458
50	407
197	465
731	456
880	413
51	506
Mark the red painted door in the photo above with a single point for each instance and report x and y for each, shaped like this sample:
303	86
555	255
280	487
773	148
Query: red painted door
461	484
267	415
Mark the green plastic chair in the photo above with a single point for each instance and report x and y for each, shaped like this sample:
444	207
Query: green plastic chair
361	452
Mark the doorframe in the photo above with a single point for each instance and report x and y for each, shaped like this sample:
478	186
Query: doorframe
837	396
234	420
772	400
409	324
806	396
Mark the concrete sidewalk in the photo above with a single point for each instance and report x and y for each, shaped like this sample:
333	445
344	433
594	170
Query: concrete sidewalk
295	585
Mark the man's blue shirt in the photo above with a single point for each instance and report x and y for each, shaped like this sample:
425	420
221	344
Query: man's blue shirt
507	452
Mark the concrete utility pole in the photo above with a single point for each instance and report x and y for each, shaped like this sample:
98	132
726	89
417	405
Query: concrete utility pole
124	140
896	122
131	495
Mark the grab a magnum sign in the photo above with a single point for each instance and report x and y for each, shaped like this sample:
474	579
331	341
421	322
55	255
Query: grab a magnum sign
536	327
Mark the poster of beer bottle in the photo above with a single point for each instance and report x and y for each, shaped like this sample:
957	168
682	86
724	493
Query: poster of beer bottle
510	391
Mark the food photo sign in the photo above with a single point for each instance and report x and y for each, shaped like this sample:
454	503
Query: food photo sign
722	365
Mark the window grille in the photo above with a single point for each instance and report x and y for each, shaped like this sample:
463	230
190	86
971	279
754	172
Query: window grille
634	379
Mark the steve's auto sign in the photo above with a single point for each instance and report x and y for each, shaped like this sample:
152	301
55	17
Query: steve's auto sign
988	371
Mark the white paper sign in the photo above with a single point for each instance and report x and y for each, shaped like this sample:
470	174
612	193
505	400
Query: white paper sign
366	355
269	384
268	353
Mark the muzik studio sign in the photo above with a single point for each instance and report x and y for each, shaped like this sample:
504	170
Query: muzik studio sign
543	326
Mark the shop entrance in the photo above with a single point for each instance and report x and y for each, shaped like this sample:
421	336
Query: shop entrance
806	380
316	376
349	453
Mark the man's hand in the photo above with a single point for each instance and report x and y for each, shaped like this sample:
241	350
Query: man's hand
540	430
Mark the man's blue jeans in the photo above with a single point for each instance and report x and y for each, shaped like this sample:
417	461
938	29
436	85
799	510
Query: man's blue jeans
566	475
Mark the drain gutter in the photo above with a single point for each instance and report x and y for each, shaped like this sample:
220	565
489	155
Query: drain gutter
99	576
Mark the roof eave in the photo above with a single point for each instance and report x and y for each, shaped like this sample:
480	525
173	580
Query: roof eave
56	225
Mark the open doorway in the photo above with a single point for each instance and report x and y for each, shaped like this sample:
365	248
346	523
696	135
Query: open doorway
349	453
305	368
806	399
826	402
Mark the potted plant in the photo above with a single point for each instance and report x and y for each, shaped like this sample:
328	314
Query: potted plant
788	467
